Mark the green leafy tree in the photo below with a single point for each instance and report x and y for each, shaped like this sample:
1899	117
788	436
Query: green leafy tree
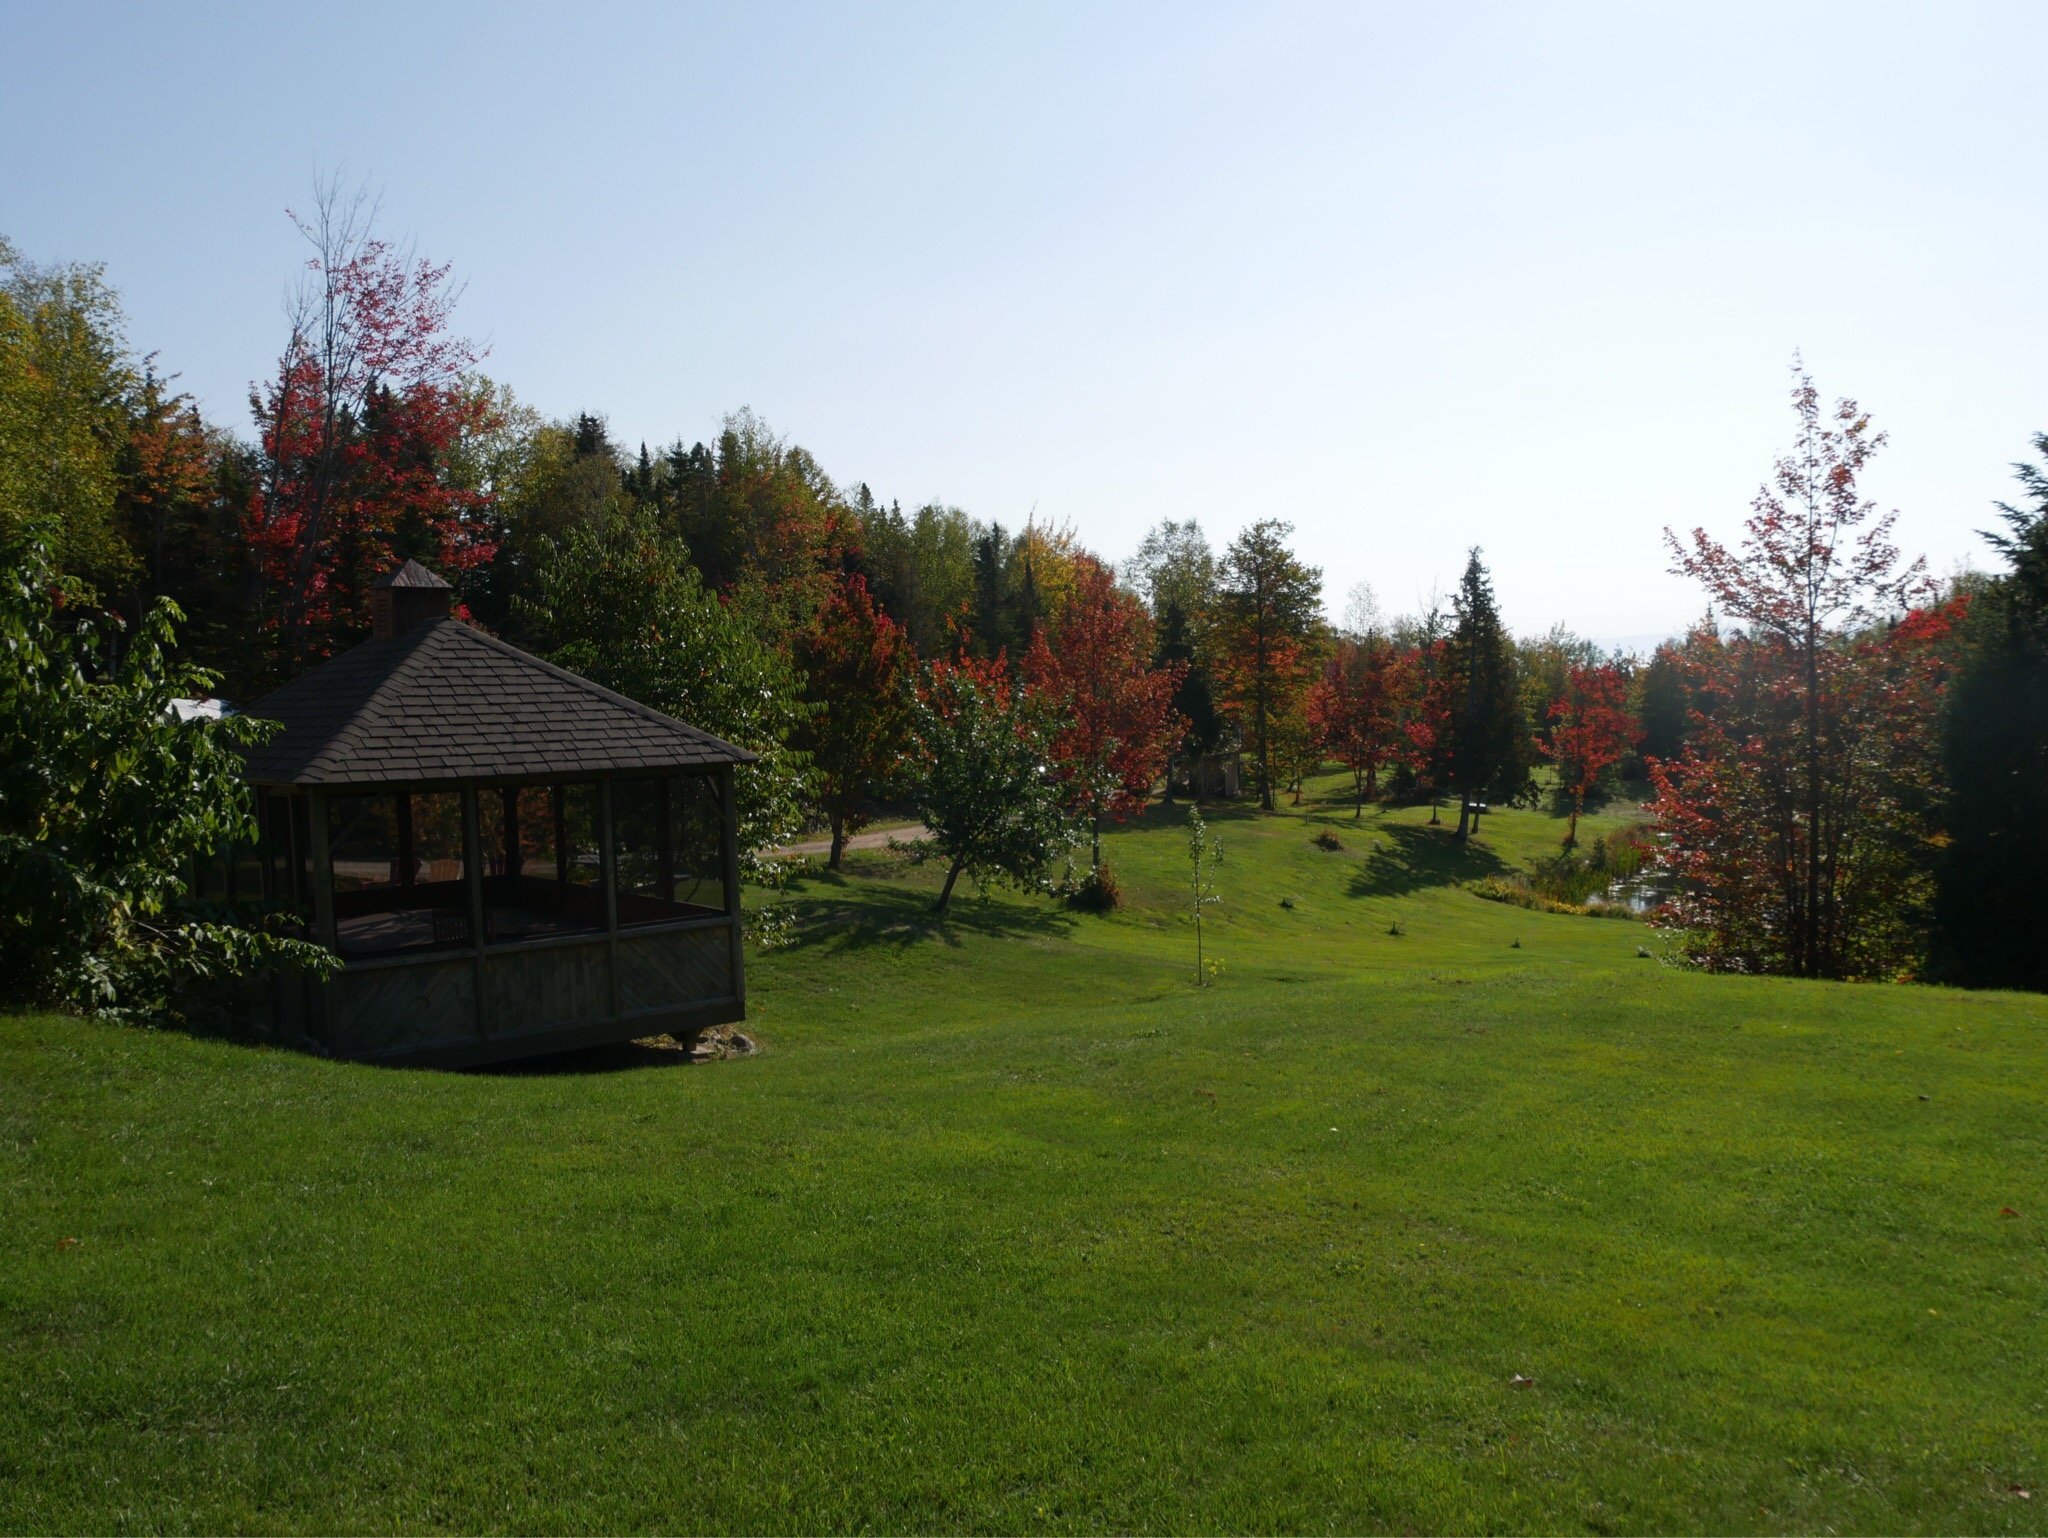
767	517
619	602
1173	568
1205	854
107	801
1991	903
984	782
921	567
65	380
1174	571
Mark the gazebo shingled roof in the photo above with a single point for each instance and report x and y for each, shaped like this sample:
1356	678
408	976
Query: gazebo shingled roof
445	702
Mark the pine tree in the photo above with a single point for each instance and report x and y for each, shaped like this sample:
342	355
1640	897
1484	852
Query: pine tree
1991	908
1489	743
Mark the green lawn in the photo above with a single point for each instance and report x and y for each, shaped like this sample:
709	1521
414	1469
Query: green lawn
1010	1227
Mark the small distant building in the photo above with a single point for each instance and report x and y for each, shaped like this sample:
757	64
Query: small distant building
508	858
1209	776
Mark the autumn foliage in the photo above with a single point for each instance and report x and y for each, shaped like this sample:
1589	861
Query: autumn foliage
1092	667
1800	818
1591	730
1262	633
356	430
1368	710
857	662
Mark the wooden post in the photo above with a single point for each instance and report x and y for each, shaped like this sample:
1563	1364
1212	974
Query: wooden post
407	861
608	872
325	931
729	848
473	890
558	795
665	840
509	799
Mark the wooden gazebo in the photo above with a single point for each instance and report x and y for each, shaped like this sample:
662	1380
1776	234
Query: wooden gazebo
508	858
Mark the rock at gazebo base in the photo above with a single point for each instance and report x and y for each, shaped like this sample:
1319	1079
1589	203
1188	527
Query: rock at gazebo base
712	1044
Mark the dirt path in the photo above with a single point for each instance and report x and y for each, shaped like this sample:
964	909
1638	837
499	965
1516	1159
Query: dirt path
871	838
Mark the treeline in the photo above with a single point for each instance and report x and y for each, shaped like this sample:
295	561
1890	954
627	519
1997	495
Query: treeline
1845	762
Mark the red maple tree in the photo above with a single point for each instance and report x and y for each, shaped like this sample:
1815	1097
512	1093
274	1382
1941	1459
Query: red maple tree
1591	729
355	432
1798	816
1367	708
857	662
1093	668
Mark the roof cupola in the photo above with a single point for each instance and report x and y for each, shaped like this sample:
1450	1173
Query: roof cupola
404	599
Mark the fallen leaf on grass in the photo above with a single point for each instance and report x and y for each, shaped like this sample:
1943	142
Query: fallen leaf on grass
2007	1212
67	1244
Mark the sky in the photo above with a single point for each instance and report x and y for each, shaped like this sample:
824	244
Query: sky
1412	278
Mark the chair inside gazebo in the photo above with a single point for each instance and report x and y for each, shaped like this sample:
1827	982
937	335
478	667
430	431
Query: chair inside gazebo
402	882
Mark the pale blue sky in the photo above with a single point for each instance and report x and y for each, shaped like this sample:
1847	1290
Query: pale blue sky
1413	277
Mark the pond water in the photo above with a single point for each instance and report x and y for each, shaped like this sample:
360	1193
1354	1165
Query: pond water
1646	889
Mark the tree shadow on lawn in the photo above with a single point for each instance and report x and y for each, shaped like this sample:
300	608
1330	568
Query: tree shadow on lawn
1410	858
906	918
1174	814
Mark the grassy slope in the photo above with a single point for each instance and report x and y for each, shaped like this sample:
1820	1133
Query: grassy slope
1012	1228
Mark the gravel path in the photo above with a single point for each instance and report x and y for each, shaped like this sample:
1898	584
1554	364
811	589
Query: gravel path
871	838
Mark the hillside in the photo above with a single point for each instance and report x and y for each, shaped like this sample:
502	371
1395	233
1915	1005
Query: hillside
1010	1227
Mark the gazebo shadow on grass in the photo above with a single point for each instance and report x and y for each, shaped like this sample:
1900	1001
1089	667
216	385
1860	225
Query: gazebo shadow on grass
611	1057
906	918
1410	859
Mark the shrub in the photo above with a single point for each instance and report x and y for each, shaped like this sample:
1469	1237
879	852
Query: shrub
107	800
1517	892
1328	840
1577	879
1097	891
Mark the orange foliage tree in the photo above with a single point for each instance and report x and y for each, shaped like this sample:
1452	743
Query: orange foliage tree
1092	666
857	664
1266	619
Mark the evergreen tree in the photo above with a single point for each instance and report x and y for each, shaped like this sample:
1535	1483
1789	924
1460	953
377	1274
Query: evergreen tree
1663	703
1991	907
593	437
1490	750
991	591
1194	701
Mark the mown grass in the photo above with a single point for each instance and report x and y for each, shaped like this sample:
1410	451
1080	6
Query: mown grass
1011	1227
